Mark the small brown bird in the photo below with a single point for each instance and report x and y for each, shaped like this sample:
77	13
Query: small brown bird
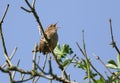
51	33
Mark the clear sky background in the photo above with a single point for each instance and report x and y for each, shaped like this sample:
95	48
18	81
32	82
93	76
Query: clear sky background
20	30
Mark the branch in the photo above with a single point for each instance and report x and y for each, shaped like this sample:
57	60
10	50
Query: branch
98	58
40	68
33	74
10	76
26	10
22	76
60	66
70	62
3	42
90	62
34	58
33	3
85	55
20	81
35	80
33	11
13	74
50	66
1	21
12	55
113	43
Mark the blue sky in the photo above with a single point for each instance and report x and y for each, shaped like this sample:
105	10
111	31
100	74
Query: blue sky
73	16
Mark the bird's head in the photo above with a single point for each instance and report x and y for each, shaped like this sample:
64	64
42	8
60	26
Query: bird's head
52	27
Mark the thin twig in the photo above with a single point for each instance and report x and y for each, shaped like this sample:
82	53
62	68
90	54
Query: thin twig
34	62
38	60
12	55
3	70
44	64
3	42
14	72
98	58
33	3
35	81
50	68
68	76
112	37
10	76
60	66
29	11
28	4
20	81
84	46
40	68
50	65
70	62
86	58
33	11
6	9
89	62
34	57
22	77
107	75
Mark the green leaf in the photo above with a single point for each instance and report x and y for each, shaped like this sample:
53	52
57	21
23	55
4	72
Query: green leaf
101	80
112	64
66	49
62	52
66	62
